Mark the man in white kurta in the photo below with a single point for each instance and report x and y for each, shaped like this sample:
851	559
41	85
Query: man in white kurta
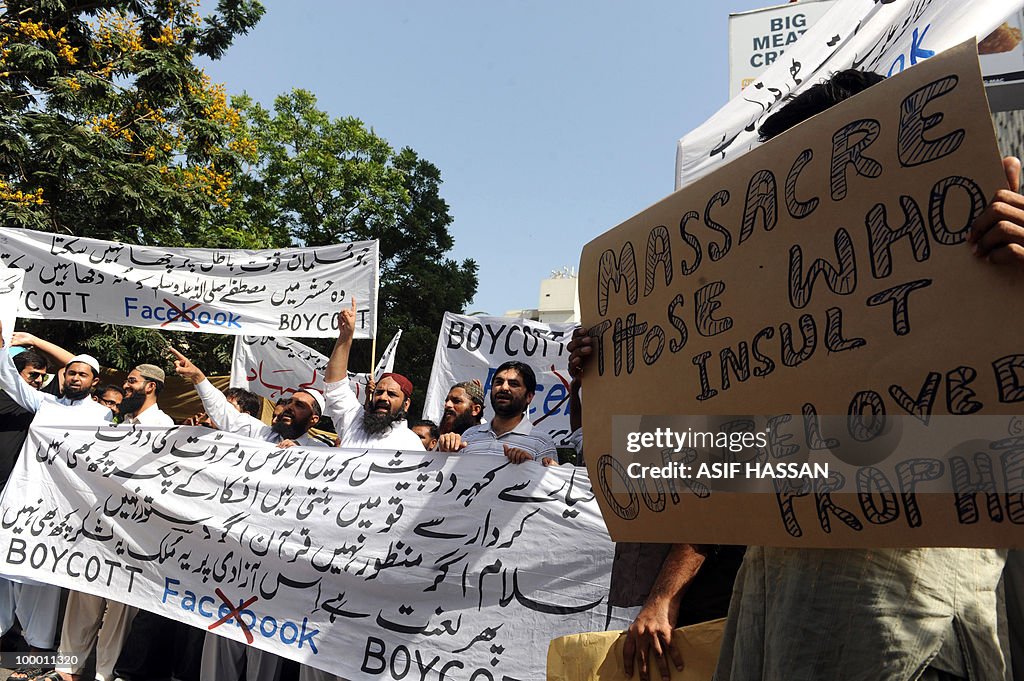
84	613
378	424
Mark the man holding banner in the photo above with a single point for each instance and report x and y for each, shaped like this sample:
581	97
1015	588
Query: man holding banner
85	612
223	658
301	413
509	433
463	407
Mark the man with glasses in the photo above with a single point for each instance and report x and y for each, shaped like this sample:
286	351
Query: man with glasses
141	390
110	396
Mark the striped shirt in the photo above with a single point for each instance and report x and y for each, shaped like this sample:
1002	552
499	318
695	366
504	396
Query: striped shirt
483	440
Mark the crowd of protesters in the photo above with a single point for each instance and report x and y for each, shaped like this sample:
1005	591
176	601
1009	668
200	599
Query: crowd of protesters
792	613
135	645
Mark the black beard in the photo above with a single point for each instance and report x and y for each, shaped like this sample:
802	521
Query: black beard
378	424
289	431
509	410
76	394
462	422
130	405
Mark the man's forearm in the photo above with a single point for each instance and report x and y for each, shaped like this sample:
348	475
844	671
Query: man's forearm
337	364
60	356
677	572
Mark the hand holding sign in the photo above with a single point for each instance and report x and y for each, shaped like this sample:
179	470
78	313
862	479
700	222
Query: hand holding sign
517	455
649	636
450	442
185	368
579	350
998	233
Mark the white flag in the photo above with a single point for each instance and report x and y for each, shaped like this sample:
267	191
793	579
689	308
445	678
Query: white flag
277	367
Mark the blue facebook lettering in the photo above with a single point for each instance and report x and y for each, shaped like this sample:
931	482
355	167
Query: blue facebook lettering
186	314
288	632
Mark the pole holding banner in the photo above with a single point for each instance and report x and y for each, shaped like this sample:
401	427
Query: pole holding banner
10	293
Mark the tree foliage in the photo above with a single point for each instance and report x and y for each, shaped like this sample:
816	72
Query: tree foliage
325	180
110	130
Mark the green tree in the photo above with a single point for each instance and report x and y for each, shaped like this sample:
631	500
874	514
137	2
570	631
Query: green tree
109	129
325	180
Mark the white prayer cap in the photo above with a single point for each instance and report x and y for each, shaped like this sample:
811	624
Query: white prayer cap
86	359
317	396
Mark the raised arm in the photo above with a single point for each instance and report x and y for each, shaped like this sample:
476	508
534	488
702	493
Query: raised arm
337	365
60	356
216	405
12	384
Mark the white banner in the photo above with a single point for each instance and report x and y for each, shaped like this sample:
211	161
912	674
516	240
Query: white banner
275	367
382	565
473	347
10	294
284	292
885	37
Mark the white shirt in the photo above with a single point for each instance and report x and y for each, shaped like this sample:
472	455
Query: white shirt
231	420
347	411
49	410
153	416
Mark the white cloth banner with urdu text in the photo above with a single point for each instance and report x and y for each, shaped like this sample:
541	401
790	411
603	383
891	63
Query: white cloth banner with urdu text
368	564
283	292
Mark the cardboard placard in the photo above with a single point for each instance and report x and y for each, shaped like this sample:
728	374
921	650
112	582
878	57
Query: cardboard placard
825	270
597	656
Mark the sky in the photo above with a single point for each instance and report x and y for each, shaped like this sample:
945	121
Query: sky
551	121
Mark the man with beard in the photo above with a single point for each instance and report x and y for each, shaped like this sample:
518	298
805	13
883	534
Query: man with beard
463	407
224	659
75	408
301	413
380	423
510	432
141	389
